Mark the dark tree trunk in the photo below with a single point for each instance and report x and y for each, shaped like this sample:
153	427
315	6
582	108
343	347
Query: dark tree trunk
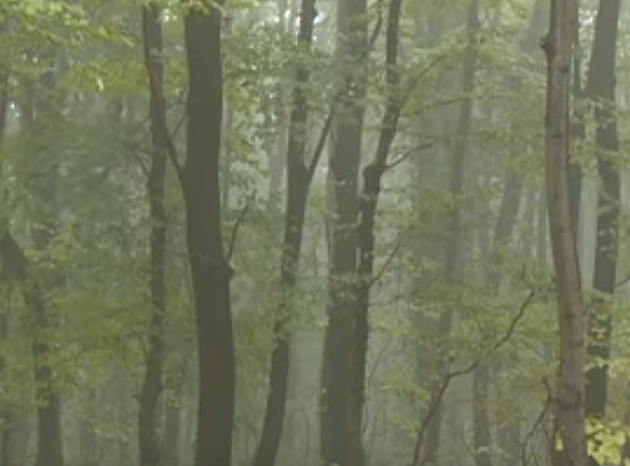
210	269
148	438
570	398
299	176
345	159
601	88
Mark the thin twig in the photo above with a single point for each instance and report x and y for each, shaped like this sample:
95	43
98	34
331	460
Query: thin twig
408	154
537	423
378	275
172	155
319	149
237	224
377	27
179	125
437	399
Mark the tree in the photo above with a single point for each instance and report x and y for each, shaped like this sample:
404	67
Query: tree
210	270
337	432
570	397
368	205
148	439
300	173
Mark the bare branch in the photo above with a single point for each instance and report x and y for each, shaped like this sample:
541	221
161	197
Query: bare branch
408	154
172	155
319	149
377	276
538	423
436	400
237	224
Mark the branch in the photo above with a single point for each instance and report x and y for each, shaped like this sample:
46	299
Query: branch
416	79
377	27
378	275
237	224
138	158
172	155
437	398
540	419
406	155
622	282
319	149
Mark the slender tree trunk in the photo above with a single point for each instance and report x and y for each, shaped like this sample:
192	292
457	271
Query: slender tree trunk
299	176
372	175
337	365
570	397
210	269
601	88
148	438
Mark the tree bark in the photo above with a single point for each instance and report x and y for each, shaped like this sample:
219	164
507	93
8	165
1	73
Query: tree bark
148	437
345	159
210	269
570	396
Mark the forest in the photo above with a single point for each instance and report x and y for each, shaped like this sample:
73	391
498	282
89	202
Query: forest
314	233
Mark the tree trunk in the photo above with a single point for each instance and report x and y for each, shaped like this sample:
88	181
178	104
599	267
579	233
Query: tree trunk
570	396
372	175
210	269
148	438
299	176
601	88
345	160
